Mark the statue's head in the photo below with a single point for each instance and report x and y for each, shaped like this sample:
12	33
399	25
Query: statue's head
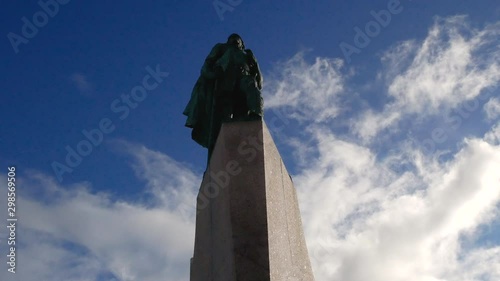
235	39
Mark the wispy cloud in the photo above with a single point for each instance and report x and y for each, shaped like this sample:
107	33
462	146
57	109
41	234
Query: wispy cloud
492	108
493	136
400	213
308	91
453	64
81	82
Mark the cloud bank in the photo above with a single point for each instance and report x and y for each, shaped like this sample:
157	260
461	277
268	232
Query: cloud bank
72	233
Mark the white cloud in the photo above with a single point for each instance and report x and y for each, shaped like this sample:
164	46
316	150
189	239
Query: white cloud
71	233
401	213
492	108
493	136
453	64
176	193
367	221
308	91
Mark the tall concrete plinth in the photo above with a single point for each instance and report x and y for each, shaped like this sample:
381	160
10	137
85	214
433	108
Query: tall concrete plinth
248	225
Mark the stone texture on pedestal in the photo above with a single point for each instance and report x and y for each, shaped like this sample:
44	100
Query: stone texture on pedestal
248	224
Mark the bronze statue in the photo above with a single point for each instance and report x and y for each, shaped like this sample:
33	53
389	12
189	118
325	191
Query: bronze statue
228	89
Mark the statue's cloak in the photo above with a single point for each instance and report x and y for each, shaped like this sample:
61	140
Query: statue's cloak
199	110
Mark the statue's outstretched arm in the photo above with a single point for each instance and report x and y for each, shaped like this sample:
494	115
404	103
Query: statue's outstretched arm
254	69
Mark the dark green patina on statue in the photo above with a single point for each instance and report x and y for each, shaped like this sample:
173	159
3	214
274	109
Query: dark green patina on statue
227	90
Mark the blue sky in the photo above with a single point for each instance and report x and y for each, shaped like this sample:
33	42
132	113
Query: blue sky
405	128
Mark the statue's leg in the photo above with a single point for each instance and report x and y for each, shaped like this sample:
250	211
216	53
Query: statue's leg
254	101
226	109
240	109
219	114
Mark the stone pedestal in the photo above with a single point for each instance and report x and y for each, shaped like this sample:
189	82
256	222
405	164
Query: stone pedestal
248	225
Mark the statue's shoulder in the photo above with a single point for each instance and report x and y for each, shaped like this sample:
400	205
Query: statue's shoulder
220	45
217	51
250	55
219	48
